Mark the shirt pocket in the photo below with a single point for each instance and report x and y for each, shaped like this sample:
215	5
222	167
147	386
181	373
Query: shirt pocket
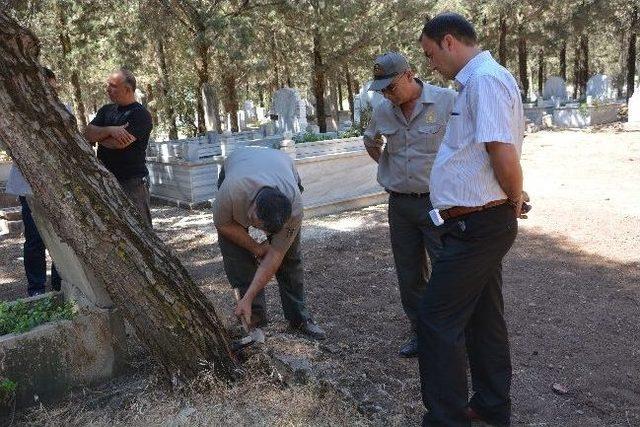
431	135
394	140
454	133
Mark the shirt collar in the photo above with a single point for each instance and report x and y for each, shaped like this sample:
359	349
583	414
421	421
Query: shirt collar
426	97
470	68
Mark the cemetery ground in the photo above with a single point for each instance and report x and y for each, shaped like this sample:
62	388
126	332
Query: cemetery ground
572	299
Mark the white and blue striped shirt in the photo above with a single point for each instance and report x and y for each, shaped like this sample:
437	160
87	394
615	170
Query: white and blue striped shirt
488	108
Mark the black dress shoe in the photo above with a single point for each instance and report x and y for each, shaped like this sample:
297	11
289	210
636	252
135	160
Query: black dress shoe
309	327
410	348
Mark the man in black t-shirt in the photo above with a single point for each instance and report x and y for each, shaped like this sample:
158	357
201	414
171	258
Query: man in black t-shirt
122	131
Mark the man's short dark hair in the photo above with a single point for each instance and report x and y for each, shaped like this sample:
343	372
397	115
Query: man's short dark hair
129	78
272	208
48	74
450	23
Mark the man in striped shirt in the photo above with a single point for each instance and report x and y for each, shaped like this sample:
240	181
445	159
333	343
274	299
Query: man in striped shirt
476	192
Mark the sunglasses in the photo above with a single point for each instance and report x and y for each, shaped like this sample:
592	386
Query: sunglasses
392	86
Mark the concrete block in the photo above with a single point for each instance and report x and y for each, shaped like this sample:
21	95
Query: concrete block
48	362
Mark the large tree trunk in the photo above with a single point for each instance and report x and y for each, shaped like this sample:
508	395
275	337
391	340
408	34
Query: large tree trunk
347	75
76	93
91	214
165	88
502	41
202	70
151	105
576	69
563	60
78	104
319	80
584	64
230	99
522	62
631	56
540	70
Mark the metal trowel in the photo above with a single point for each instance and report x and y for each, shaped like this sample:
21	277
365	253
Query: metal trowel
252	335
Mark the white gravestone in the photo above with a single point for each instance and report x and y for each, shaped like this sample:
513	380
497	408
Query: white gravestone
634	111
600	88
555	88
302	115
249	110
367	99
286	104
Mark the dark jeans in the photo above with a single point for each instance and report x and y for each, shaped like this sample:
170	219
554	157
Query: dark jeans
35	261
415	242
240	266
137	189
462	313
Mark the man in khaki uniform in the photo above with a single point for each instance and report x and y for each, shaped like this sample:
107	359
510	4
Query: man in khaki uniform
260	187
412	120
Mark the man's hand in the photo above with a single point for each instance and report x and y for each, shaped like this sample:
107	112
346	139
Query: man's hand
243	310
119	133
261	250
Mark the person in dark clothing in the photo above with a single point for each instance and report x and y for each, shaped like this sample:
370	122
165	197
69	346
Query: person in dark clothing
122	130
34	250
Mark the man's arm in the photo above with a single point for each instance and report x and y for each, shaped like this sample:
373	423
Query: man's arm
506	167
115	137
374	152
240	236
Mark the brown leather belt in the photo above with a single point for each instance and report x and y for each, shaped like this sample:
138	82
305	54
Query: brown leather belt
457	211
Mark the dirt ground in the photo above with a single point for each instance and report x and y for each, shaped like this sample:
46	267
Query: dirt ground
572	298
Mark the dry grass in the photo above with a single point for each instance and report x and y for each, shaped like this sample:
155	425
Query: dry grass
258	399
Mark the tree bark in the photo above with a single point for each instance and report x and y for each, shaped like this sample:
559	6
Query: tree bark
202	70
165	89
576	69
563	60
319	80
522	62
78	105
631	55
540	70
584	64
230	99
339	94
76	93
151	105
502	41
347	75
91	214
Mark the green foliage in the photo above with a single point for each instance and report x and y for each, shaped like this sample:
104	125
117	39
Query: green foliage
7	390
311	137
20	317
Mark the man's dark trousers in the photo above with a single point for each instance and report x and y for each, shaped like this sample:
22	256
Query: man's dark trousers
240	266
137	189
414	240
35	261
462	309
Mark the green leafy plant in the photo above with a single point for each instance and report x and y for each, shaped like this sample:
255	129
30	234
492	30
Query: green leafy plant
311	137
7	390
20	317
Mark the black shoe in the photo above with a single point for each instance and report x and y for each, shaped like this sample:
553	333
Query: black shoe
409	348
309	327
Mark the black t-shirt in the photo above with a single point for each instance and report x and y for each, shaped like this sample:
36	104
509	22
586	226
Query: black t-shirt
128	162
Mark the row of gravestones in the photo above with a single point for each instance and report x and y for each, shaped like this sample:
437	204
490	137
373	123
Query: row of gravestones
599	87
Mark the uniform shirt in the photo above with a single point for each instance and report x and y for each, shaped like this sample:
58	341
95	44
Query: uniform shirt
488	108
246	171
128	162
411	144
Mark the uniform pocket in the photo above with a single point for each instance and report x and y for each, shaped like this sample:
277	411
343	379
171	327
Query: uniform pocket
393	139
